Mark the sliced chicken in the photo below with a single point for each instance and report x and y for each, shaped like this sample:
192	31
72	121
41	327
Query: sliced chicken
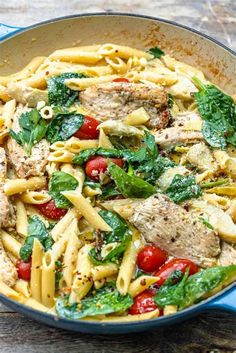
174	136
175	230
25	165
7	211
115	100
228	255
8	273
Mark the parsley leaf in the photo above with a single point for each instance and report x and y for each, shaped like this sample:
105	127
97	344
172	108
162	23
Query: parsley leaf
156	52
32	130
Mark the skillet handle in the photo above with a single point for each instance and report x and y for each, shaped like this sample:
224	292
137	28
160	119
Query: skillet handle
6	31
227	301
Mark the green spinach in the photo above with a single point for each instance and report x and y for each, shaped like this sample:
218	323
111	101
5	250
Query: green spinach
183	188
106	300
32	130
218	112
63	125
36	229
120	234
61	181
58	93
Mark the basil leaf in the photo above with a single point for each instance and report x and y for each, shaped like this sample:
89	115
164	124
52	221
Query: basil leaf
59	93
156	52
61	181
106	300
32	130
36	229
218	111
120	234
183	188
63	125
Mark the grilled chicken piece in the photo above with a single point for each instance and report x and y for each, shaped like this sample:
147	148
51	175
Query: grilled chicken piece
175	230
228	255
8	273
174	136
7	211
24	165
115	100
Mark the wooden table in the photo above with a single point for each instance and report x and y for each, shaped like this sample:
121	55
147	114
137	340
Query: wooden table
213	332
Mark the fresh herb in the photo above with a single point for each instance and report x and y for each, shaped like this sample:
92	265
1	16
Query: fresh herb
32	130
59	93
156	52
196	287
218	111
61	181
63	125
212	184
120	237
58	273
183	188
38	230
106	300
130	186
85	155
170	100
205	222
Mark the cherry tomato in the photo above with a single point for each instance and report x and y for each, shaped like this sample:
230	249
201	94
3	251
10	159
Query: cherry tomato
50	210
150	258
120	79
89	129
143	303
98	164
175	264
23	269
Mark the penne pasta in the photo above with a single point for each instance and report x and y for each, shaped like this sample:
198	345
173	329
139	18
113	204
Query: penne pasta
124	52
21	219
10	243
36	270
48	279
140	284
83	83
17	186
35	197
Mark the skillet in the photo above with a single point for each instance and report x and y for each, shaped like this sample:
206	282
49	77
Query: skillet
19	45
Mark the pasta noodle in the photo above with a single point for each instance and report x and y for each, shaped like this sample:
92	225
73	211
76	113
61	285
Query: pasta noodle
21	219
36	270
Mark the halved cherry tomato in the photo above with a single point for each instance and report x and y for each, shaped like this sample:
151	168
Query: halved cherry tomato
50	210
175	264
23	269
150	258
143	303
89	129
120	79
96	165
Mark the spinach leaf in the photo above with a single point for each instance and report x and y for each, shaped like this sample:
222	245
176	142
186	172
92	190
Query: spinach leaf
108	191
58	93
36	229
84	155
183	188
130	186
196	287
120	236
156	52
63	125
172	293
218	111
106	300
61	181
32	130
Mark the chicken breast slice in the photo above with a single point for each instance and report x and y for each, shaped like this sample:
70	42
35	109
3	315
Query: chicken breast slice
24	165
228	255
8	273
115	100
174	136
175	230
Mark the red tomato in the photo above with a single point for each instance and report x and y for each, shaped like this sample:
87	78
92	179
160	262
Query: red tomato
150	258
175	264
89	129
23	269
120	79
50	210
143	303
98	164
